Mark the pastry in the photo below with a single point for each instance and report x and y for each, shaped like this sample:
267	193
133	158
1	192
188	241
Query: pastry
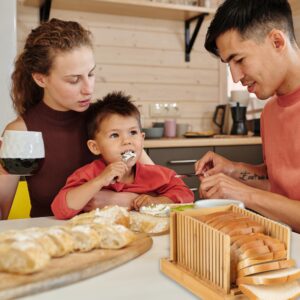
22	257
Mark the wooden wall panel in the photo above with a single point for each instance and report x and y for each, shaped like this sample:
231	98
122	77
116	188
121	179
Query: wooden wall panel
145	58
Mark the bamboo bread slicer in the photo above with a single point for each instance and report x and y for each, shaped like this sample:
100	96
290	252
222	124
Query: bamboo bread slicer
201	256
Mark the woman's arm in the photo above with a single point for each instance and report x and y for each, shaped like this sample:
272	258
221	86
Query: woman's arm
145	159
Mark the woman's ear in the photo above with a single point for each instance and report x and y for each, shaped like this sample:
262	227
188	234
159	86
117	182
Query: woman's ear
39	79
93	146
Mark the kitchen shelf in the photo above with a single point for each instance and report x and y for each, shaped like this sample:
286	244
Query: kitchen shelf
186	13
129	8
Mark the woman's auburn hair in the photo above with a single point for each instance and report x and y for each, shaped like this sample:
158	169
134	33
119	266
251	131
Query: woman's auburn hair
41	47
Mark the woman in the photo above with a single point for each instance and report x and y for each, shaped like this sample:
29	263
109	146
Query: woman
52	87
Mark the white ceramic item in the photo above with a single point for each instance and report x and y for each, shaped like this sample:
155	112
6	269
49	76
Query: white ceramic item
217	202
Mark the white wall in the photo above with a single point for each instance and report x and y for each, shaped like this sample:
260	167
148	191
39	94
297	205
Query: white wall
8	51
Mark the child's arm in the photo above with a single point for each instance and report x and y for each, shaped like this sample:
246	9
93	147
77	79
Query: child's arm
146	200
73	197
79	196
107	197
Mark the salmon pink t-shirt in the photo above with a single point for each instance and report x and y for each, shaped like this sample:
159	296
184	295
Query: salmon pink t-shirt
280	129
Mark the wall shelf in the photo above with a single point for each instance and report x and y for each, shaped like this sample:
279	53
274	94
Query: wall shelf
129	8
168	11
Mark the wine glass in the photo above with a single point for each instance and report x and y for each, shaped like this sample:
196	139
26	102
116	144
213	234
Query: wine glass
22	152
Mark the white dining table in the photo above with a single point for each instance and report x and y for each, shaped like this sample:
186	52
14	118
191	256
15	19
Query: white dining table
139	278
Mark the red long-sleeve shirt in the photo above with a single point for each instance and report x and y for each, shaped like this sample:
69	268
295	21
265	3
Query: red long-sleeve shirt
148	179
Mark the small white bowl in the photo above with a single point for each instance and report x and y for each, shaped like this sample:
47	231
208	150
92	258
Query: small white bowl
218	202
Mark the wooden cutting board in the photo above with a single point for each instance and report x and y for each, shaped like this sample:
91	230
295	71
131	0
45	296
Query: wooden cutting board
71	268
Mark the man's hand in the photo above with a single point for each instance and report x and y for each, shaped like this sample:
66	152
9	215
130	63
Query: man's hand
221	186
212	163
146	200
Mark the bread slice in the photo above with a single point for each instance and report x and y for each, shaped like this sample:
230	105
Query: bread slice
149	224
267	266
288	290
271	278
213	216
272	256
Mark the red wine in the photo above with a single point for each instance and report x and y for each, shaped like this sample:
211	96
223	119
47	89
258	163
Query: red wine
21	166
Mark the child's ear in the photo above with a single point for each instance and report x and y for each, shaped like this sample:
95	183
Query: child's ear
93	146
143	135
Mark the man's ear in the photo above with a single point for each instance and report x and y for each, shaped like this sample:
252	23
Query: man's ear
93	146
278	39
39	79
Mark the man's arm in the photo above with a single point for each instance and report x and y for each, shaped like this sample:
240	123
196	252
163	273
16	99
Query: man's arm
269	204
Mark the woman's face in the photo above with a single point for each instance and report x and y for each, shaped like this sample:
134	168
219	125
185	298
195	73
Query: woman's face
70	84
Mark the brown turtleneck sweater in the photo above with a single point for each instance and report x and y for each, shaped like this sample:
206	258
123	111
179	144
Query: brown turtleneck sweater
65	139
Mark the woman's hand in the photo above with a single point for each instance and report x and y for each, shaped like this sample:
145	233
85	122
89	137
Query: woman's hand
146	200
212	163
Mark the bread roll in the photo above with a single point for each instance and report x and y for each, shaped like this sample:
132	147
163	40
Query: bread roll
148	224
62	239
109	214
22	257
43	239
113	236
85	238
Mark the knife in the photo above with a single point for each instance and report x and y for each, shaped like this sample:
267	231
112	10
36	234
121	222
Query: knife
185	175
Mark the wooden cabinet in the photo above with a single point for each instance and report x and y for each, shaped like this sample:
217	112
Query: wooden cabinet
251	154
182	159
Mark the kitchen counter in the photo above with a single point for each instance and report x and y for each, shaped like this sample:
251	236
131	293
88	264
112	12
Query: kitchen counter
199	142
137	279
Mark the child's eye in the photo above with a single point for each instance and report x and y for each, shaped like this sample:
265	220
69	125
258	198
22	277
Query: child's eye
239	61
114	135
133	132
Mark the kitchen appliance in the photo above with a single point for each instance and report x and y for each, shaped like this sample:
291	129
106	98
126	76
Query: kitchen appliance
222	119
239	126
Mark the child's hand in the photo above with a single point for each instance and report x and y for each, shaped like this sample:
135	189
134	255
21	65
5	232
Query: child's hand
113	172
146	200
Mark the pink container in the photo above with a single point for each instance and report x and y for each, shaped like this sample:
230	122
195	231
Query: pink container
170	128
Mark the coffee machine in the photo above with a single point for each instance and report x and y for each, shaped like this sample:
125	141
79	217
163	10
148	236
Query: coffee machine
239	125
240	99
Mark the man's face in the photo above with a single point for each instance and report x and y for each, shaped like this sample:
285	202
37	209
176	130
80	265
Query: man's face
257	65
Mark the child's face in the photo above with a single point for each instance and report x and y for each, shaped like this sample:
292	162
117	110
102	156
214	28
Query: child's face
117	135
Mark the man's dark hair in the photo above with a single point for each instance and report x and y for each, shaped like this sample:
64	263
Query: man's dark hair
114	103
252	19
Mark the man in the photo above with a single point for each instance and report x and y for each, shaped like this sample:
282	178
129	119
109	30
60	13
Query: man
256	38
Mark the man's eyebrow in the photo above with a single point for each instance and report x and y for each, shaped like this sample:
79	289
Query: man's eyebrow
229	58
